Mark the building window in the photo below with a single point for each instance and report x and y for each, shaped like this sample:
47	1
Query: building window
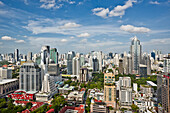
110	94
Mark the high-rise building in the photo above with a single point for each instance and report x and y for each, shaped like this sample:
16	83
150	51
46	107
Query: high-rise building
165	93
135	50
29	56
109	89
16	54
84	75
30	77
95	64
121	68
159	87
125	91
54	72
76	66
111	55
70	56
166	65
54	55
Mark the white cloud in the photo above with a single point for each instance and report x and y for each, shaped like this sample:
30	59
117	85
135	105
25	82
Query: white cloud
70	25
117	11
100	12
154	2
26	2
133	29
1	3
25	36
83	35
7	38
64	40
49	4
72	37
40	26
83	40
20	41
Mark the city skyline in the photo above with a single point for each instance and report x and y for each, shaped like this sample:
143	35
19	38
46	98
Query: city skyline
84	26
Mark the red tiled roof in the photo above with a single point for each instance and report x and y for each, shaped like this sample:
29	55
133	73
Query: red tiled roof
79	109
50	111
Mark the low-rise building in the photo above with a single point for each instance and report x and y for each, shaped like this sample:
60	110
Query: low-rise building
76	97
8	86
97	106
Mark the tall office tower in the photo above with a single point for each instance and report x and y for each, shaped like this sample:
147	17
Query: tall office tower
70	56
99	57
84	75
95	64
135	50
30	77
125	91
45	54
76	66
127	64
146	61
111	55
82	60
159	87
153	55
16	54
165	94
54	71
116	59
121	68
48	89
54	55
109	89
166	65
29	56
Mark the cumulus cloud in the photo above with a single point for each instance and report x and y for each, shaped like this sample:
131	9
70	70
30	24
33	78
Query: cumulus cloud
117	11
63	40
7	38
70	25
20	41
101	12
83	35
54	4
1	3
154	2
133	29
49	4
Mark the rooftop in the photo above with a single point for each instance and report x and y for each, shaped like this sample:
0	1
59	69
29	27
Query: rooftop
4	81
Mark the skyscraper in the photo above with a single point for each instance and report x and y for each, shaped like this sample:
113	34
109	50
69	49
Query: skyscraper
76	66
16	54
166	65
29	56
54	55
70	56
135	51
95	64
110	89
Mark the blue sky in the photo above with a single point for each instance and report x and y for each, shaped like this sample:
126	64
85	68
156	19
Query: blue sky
84	25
